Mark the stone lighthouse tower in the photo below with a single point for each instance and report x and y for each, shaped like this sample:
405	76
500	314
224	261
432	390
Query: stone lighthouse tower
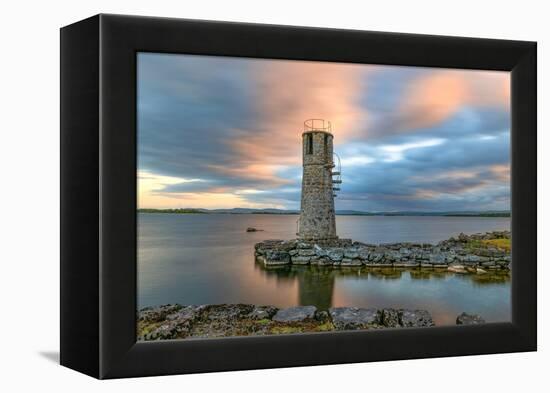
317	220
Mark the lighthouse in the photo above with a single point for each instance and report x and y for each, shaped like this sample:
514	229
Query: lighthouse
317	220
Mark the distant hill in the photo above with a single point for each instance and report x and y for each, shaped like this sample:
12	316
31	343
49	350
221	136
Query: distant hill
240	210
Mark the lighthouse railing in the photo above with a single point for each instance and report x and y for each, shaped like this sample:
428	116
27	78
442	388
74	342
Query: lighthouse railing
317	125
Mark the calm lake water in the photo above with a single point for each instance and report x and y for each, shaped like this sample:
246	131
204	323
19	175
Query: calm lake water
209	258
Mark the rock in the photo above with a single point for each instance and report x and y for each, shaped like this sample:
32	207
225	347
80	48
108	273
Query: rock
364	254
275	257
437	259
376	256
306	252
322	316
480	271
390	318
415	318
346	262
471	258
404	251
351	318
262	312
351	253
293	252
502	262
392	256
226	312
335	254
469	319
166	331
157	314
406	264
295	314
323	261
300	260
252	229
176	324
457	269
319	251
186	313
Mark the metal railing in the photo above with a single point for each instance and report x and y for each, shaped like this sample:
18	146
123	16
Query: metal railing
317	125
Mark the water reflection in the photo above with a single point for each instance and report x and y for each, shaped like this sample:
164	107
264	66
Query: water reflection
316	284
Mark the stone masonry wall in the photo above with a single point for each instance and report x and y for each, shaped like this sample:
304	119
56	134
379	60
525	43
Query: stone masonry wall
465	254
317	220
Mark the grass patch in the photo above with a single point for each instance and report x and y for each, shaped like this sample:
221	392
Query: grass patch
325	327
286	329
264	321
503	244
146	327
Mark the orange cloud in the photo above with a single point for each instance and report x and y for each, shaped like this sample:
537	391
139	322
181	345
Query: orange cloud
501	172
286	94
433	98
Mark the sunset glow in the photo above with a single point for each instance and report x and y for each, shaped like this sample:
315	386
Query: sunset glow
221	132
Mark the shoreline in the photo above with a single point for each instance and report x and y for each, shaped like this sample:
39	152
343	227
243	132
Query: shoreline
174	321
356	214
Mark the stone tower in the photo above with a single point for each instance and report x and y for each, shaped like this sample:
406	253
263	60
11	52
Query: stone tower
317	220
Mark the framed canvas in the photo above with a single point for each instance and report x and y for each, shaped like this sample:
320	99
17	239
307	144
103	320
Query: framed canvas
240	196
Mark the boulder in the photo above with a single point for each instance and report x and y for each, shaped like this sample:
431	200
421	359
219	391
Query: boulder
415	318
262	312
437	259
346	262
306	252
469	319
159	313
320	252
276	257
295	314
300	260
351	318
351	253
457	269
407	264
324	261
364	254
404	251
335	254
390	318
322	316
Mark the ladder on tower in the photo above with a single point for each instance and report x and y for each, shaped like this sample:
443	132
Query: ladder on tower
336	175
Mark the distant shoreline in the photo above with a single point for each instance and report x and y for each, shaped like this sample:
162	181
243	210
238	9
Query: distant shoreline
490	214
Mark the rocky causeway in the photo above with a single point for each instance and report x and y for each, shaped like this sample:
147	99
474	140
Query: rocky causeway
474	253
174	321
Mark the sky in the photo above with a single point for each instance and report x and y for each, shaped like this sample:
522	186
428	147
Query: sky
225	132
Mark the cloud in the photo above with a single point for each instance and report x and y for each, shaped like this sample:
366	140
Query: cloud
227	131
426	98
396	152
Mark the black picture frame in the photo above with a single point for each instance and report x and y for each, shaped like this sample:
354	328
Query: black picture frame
98	195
